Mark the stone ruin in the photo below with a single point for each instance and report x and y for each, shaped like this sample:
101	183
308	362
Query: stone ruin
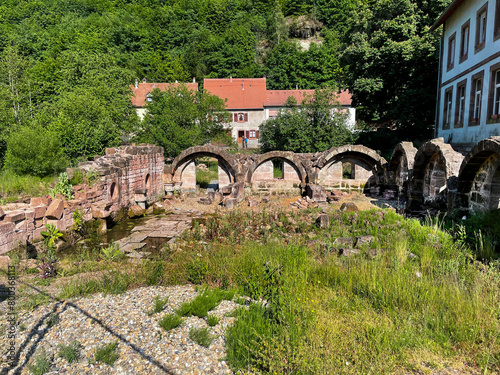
435	175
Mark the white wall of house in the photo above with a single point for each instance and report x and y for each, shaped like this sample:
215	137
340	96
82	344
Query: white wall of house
460	73
249	124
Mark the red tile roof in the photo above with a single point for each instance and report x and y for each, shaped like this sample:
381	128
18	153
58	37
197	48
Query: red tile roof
278	97
139	97
241	93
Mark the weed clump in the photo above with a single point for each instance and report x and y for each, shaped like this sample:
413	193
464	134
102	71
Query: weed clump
70	352
201	336
107	353
170	321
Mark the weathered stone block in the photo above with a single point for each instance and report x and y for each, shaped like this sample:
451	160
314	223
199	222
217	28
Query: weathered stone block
55	209
136	211
6	227
348	252
364	240
344	241
39	211
2	213
14	216
323	221
40	201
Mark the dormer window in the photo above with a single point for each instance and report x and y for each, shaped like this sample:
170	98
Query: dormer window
149	97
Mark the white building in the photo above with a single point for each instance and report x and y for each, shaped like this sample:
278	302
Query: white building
468	100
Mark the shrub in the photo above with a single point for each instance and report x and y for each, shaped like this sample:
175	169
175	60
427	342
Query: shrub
160	304
34	151
107	353
212	320
63	187
170	321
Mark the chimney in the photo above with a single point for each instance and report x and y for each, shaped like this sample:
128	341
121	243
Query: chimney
144	80
136	83
296	87
176	81
194	79
230	79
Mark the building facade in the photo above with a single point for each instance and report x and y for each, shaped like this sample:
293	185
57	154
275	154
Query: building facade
468	100
251	104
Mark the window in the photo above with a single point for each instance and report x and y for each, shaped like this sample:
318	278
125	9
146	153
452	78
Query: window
240	117
464	41
496	30
252	134
149	97
494	95
448	98
460	105
481	28
451	51
476	97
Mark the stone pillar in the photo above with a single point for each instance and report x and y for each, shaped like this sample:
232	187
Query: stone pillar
289	173
188	177
224	179
264	172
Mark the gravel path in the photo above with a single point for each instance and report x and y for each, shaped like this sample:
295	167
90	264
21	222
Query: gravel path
144	347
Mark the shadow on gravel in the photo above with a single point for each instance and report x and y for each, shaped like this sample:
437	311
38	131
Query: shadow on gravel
40	333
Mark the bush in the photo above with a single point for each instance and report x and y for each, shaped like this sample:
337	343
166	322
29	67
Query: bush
170	321
107	353
34	151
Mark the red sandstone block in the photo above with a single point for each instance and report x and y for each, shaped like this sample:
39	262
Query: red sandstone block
39	211
14	216
2	213
40	201
56	223
20	226
30	215
6	227
7	239
55	210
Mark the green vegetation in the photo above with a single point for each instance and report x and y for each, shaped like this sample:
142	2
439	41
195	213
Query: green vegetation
180	118
413	300
70	352
41	363
111	252
159	305
52	320
318	125
201	336
212	320
170	321
107	353
204	302
63	187
203	177
12	186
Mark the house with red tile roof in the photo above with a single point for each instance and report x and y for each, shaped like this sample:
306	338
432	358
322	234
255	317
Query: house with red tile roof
251	104
142	93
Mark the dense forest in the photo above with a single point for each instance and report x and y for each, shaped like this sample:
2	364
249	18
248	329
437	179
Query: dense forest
66	65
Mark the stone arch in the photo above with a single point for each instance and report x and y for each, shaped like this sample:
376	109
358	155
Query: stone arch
435	172
292	162
370	167
400	167
478	185
183	164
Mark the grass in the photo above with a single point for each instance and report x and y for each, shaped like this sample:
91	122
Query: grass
52	320
388	313
12	186
212	320
201	336
159	305
41	364
204	302
70	352
203	178
170	321
107	353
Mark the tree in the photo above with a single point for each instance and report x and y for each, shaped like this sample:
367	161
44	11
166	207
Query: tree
391	63
180	118
317	125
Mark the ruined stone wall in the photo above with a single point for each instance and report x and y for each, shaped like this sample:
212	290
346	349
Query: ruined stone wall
126	175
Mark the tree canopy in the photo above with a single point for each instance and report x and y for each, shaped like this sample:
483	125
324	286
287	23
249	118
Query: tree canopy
317	125
180	118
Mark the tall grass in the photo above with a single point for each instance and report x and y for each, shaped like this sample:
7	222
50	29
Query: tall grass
12	185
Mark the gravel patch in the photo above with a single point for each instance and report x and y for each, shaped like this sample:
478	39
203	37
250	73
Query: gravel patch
144	347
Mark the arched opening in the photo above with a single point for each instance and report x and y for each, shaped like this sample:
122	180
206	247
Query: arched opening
207	173
113	191
495	190
434	179
147	182
348	170
278	166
